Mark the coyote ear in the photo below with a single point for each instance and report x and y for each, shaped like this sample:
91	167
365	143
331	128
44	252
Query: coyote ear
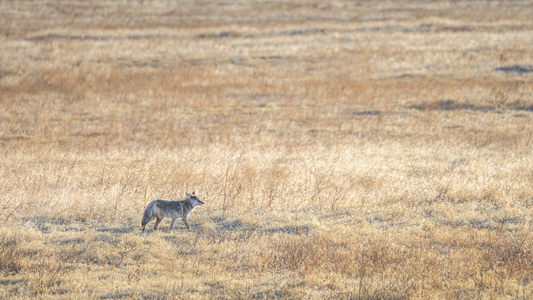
188	196
192	193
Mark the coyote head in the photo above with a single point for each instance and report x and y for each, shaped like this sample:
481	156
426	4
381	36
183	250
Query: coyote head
194	200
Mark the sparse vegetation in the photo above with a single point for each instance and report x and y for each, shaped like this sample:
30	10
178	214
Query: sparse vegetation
344	149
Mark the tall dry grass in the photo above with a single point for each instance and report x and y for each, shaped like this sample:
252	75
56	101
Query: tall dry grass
346	150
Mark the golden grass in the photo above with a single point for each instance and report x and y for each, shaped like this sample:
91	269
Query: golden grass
351	150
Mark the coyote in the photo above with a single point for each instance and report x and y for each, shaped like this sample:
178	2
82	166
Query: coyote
159	209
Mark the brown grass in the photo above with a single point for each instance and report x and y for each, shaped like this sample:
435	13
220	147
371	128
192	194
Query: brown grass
349	150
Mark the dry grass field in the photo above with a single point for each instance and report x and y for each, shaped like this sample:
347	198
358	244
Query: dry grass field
344	149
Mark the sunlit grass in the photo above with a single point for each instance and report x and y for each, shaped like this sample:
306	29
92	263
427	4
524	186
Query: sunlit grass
343	150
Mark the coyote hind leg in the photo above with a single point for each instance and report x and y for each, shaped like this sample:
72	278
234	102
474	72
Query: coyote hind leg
144	224
157	221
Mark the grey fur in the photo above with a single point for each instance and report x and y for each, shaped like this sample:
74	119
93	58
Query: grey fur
160	209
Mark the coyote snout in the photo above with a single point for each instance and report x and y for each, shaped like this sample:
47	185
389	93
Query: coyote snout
159	209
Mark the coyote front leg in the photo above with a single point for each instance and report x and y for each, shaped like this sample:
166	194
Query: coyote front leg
185	222
172	223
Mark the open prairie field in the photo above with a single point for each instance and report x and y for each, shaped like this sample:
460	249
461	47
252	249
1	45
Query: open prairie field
344	149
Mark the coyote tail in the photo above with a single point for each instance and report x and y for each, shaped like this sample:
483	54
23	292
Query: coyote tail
148	214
